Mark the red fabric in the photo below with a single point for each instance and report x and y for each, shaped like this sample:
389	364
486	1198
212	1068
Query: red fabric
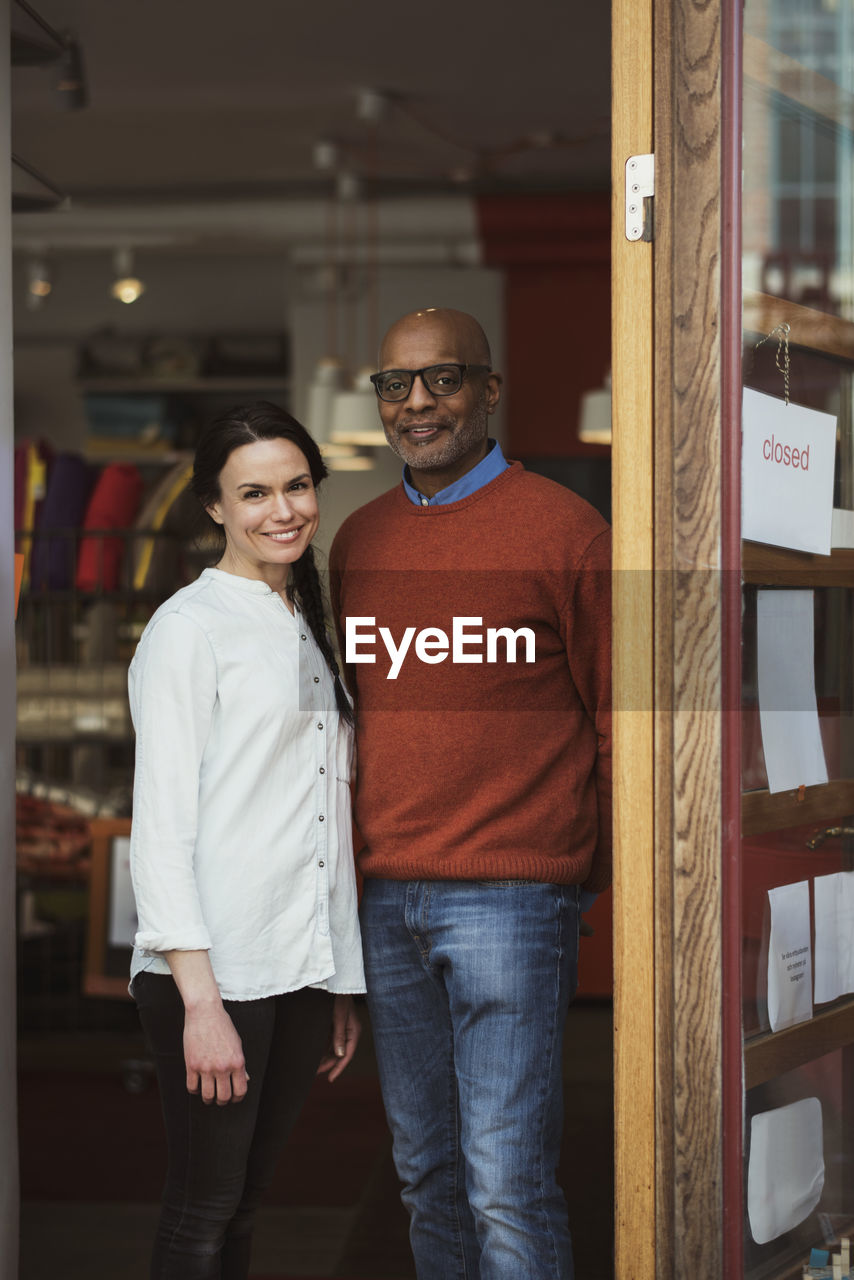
113	505
492	769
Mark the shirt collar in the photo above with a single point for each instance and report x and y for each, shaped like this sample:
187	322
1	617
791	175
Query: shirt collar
485	471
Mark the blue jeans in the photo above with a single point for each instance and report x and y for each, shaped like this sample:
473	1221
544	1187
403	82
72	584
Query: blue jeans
221	1159
468	989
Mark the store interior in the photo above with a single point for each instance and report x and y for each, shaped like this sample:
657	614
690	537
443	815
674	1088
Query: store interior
215	204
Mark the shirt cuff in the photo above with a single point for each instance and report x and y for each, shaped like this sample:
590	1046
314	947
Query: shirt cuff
198	940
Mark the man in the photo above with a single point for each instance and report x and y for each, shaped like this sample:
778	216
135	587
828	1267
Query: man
473	606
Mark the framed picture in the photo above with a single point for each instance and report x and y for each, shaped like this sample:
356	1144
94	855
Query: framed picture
112	913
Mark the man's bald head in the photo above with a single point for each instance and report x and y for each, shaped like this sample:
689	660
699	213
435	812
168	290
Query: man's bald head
439	436
459	332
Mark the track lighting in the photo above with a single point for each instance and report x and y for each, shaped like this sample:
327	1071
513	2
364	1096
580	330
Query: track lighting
126	287
38	284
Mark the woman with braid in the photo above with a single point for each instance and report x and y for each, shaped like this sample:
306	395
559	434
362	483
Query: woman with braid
248	951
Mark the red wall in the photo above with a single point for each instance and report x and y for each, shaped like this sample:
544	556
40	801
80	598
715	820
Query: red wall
556	257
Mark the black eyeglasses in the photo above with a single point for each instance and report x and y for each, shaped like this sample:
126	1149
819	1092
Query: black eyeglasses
439	379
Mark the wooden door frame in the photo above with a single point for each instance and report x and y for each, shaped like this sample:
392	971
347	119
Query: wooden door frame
672	62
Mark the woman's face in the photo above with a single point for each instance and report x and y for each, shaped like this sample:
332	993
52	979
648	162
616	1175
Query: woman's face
267	508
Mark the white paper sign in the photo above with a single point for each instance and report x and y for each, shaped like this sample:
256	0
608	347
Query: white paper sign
123	922
834	936
789	956
787	464
785	1173
788	711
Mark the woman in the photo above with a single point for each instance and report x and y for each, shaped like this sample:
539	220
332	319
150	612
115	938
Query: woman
248	951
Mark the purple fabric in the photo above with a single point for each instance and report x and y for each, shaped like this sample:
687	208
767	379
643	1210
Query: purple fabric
55	554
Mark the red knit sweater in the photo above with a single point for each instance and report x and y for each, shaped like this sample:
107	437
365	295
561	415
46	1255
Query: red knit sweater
491	769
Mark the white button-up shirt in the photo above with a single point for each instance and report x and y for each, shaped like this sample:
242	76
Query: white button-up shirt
241	842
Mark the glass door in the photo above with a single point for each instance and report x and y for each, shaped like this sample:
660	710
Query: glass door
797	627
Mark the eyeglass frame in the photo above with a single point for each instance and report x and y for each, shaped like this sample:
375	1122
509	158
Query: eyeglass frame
419	373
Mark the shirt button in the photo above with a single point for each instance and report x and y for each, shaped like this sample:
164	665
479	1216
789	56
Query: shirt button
320	724
302	637
321	818
317	679
322	770
321	864
425	502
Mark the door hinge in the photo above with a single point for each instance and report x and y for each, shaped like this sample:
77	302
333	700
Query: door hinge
640	188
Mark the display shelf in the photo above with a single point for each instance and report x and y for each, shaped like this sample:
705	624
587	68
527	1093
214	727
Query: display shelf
762	811
97	978
808	327
139	385
763	565
773	1053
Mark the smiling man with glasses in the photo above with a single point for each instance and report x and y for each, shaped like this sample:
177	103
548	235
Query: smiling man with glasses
483	796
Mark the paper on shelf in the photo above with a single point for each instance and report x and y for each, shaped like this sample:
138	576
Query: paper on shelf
788	712
785	1172
789	956
834	936
788	458
123	922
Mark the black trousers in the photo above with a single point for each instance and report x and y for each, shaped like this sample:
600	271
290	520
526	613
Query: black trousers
222	1158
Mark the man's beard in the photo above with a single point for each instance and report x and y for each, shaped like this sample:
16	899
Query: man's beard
433	455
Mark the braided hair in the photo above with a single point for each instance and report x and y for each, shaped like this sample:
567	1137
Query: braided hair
247	424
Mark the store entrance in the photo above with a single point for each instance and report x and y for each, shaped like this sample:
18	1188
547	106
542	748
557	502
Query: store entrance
243	222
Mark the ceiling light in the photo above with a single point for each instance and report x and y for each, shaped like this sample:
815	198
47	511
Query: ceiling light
595	419
328	377
38	284
355	418
325	155
371	105
358	462
69	87
331	450
126	287
348	186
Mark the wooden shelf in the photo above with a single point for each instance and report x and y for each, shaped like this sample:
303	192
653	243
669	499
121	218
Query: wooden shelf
774	1053
761	811
777	71
183	386
816	330
764	565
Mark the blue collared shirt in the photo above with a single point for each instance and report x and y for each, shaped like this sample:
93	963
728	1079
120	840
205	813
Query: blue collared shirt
487	469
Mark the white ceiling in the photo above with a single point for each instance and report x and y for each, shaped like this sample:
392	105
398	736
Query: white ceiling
192	100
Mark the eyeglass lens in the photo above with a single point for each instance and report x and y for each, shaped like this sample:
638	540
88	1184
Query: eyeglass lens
440	379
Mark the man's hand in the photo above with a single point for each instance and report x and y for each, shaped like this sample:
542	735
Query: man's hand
346	1029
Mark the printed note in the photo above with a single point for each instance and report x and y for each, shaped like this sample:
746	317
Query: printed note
834	936
788	712
789	956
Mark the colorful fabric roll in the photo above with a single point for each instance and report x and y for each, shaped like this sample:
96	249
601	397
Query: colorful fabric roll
113	505
55	554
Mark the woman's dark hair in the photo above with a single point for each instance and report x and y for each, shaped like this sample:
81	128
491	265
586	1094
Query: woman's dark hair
246	425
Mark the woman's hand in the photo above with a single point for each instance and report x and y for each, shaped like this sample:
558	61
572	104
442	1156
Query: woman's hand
213	1052
346	1029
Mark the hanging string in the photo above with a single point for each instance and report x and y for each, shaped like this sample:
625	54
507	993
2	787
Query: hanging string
781	359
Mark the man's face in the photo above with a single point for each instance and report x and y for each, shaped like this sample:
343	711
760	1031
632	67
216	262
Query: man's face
442	436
